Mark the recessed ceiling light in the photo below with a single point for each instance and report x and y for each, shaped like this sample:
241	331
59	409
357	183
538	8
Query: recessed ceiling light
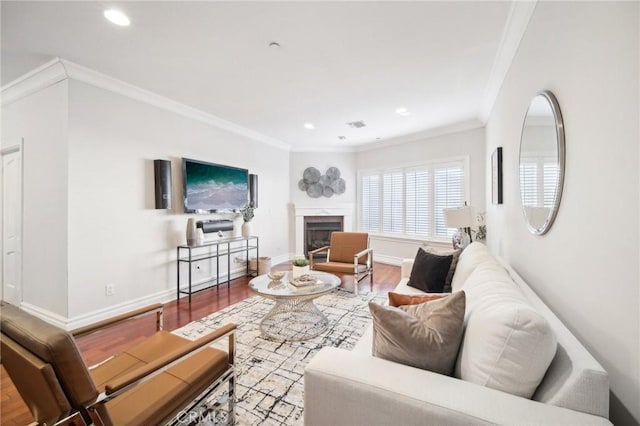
117	17
274	45
309	126
402	111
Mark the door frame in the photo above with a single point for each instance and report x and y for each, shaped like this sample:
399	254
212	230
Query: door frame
11	148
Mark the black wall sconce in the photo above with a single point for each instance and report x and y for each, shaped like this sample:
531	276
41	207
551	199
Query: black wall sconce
162	171
253	190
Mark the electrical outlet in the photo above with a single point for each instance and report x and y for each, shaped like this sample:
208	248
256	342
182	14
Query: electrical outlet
109	290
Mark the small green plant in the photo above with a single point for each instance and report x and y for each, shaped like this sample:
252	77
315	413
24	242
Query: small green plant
481	233
300	262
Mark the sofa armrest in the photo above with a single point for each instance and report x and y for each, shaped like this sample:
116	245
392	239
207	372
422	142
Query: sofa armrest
348	388
405	268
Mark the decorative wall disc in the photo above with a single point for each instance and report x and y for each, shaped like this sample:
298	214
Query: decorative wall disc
317	185
311	175
315	190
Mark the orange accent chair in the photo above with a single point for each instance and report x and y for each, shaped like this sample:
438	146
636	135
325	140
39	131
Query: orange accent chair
347	253
154	382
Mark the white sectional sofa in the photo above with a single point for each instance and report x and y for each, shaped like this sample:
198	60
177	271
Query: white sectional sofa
354	388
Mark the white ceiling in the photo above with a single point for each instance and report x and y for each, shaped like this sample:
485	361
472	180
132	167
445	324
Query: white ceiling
338	62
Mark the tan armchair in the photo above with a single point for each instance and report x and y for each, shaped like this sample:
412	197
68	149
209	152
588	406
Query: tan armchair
347	253
153	382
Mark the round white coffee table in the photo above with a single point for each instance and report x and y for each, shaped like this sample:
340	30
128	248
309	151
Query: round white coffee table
294	316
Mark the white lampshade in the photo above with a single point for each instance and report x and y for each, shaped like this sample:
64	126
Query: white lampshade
458	217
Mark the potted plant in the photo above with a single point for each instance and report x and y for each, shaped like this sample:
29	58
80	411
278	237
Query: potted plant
300	266
481	233
247	215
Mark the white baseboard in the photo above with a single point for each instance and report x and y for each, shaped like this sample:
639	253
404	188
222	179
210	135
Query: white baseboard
388	260
72	323
163	296
283	258
45	315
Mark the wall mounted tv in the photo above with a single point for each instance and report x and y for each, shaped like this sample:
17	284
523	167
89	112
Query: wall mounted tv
212	187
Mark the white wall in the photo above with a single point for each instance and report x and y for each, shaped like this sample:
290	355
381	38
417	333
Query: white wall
115	235
41	119
586	267
299	161
470	143
344	161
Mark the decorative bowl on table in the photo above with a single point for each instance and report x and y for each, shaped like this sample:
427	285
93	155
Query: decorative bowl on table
303	280
276	275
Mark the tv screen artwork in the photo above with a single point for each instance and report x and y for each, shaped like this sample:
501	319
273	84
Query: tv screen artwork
213	187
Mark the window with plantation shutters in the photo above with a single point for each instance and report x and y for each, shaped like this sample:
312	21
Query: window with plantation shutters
448	192
549	179
538	179
409	201
392	202
417	212
529	183
370	204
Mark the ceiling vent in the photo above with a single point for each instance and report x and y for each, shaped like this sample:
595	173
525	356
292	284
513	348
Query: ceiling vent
356	124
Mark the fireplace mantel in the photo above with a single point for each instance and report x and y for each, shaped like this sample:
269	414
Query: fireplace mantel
302	210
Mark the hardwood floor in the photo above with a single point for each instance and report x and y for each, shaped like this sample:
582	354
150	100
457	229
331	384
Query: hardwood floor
101	345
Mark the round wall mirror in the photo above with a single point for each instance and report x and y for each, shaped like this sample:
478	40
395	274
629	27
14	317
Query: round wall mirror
542	153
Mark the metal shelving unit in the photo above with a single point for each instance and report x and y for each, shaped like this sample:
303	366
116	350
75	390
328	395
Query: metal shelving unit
191	255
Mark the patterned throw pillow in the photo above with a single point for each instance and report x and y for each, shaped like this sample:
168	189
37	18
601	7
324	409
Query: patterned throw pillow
425	336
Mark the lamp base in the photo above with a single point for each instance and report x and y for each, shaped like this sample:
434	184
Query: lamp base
461	239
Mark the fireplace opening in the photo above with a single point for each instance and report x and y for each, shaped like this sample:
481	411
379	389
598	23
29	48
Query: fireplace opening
317	233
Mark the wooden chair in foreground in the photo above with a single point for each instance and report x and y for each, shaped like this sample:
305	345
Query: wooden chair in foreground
347	253
154	382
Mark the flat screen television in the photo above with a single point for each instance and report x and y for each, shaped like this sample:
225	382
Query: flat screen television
212	187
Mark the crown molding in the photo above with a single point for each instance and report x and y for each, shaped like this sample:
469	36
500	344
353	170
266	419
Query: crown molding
103	81
59	69
462	126
514	29
325	149
37	79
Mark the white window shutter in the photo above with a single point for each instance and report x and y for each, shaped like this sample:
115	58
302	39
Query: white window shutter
448	192
410	201
370	203
393	202
418	214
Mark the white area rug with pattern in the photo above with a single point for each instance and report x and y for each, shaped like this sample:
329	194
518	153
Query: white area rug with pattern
269	386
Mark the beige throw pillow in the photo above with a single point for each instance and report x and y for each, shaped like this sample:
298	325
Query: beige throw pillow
425	336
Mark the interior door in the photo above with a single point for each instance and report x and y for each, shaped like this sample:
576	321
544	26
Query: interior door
12	224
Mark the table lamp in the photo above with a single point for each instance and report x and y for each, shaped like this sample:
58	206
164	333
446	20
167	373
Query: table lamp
461	219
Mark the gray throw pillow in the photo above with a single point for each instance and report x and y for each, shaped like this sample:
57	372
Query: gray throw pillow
425	336
429	271
452	268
